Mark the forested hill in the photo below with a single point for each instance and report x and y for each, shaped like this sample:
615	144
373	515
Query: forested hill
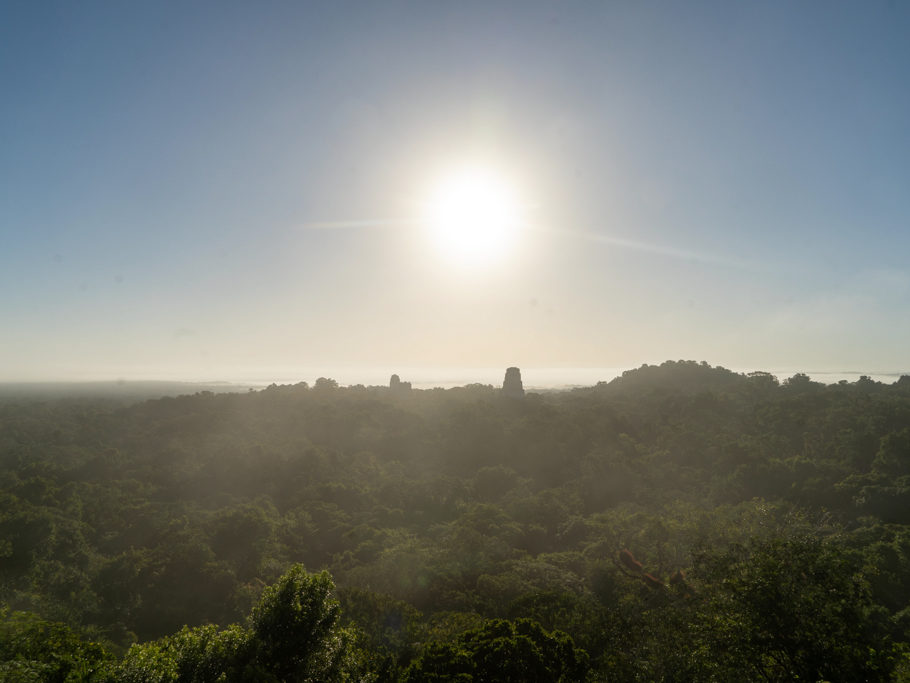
765	523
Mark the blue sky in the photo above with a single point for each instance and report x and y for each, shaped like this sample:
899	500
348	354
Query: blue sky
704	180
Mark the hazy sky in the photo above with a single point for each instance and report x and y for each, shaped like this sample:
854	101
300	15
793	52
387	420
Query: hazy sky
193	189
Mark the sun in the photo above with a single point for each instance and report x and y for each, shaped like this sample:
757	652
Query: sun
472	216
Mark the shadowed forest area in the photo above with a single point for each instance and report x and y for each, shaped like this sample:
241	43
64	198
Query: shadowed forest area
680	523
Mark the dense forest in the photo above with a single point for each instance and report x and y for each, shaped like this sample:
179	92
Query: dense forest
680	523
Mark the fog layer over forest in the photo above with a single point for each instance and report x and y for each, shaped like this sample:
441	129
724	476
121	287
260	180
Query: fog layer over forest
681	522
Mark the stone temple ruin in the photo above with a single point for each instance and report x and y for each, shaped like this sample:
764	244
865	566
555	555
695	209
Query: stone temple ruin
511	385
396	386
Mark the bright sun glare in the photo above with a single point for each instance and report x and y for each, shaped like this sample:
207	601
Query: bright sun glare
472	216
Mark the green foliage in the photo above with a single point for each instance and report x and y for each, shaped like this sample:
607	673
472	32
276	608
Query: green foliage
295	628
293	635
32	649
439	511
791	609
386	628
502	652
